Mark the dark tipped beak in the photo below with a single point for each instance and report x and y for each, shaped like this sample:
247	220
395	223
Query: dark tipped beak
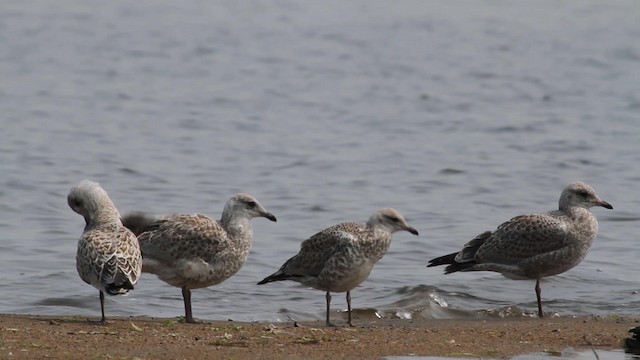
270	216
606	205
412	230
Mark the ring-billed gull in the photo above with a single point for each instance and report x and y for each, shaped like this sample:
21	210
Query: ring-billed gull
195	251
536	245
340	257
108	254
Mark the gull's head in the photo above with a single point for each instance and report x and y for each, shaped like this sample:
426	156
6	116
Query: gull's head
390	220
87	198
580	194
247	206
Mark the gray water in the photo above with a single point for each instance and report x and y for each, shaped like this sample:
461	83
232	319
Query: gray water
564	354
458	114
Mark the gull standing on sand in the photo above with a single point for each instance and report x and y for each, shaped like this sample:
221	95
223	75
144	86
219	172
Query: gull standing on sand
194	251
536	245
339	258
108	254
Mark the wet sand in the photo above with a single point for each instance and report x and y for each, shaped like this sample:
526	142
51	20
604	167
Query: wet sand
38	337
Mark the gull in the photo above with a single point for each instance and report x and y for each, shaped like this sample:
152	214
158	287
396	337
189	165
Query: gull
195	251
534	246
341	257
108	255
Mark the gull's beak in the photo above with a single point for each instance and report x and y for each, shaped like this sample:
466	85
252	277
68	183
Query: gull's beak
270	216
605	204
411	230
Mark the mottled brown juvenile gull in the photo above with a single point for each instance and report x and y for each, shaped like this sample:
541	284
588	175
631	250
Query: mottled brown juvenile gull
108	254
194	251
536	245
339	258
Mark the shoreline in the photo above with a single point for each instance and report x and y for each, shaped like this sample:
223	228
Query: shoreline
73	337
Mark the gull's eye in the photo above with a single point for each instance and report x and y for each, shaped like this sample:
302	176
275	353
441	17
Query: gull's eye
251	204
583	193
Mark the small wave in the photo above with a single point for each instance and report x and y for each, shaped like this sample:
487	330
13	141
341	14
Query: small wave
76	302
451	171
430	302
621	219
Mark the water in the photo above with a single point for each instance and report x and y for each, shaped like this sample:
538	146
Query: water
460	115
565	354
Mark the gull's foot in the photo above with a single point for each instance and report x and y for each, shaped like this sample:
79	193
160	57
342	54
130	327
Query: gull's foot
97	322
192	321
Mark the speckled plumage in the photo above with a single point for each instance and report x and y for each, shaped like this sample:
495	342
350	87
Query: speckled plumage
108	255
195	251
341	257
536	245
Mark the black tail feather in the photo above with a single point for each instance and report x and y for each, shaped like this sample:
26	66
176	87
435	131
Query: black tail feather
278	276
139	222
455	267
450	260
443	260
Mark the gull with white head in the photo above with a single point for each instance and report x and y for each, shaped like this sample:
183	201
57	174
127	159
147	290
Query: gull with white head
108	255
195	251
341	257
534	246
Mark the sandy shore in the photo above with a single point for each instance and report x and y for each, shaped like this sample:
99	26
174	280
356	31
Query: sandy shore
39	337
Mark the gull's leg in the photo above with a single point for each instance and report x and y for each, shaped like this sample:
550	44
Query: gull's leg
328	323
538	292
186	296
104	319
349	307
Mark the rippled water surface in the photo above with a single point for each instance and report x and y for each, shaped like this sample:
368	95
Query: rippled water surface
565	354
458	114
